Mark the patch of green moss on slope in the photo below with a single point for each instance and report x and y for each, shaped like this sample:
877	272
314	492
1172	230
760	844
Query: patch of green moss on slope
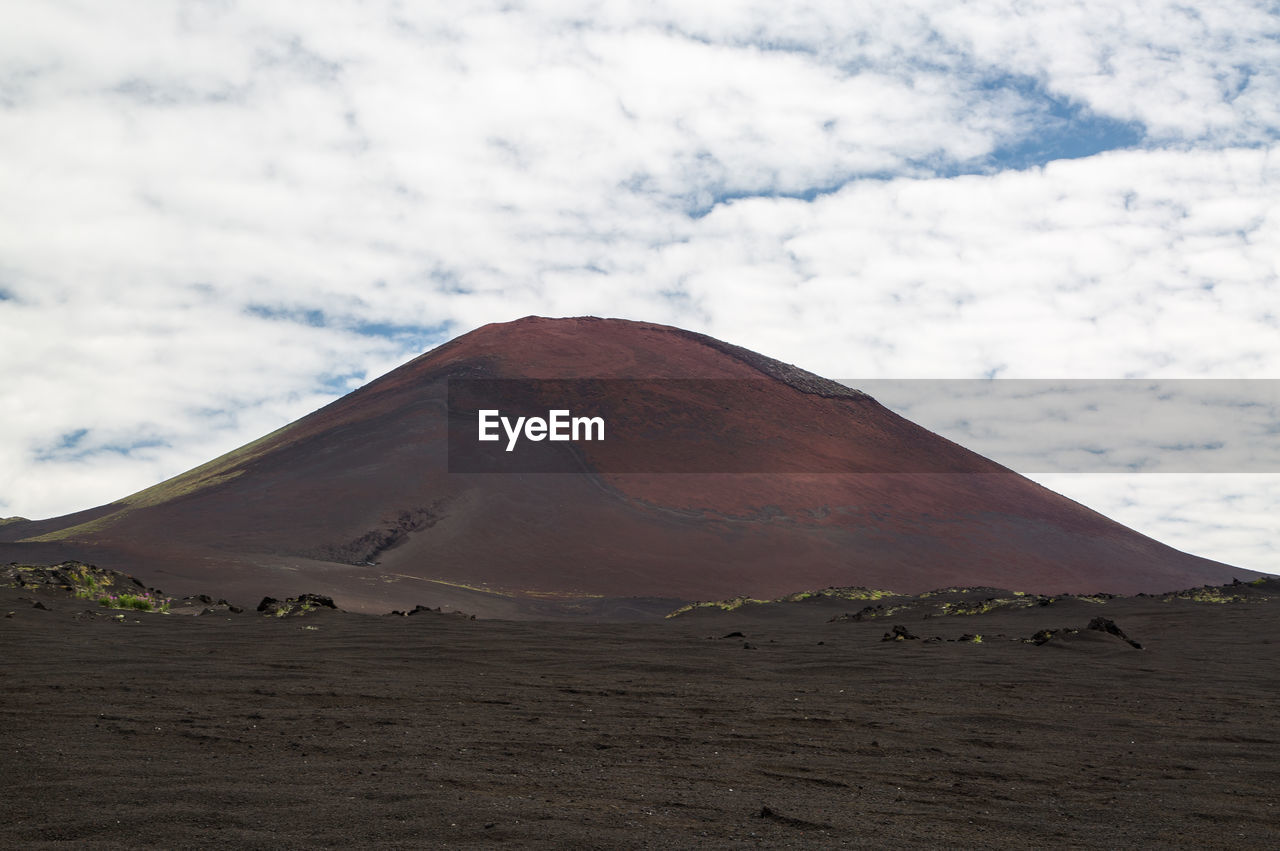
847	593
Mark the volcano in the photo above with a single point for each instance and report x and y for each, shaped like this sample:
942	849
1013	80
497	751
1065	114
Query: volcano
811	484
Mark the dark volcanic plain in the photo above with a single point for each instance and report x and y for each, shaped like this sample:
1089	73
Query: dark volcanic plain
336	729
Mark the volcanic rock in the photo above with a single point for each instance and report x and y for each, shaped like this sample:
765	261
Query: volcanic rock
301	605
1109	626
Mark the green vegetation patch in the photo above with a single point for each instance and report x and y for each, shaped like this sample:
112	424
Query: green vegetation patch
873	612
1207	595
107	588
981	607
846	593
89	583
833	593
937	591
722	605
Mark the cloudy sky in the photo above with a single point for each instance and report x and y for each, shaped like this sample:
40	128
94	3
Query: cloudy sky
218	216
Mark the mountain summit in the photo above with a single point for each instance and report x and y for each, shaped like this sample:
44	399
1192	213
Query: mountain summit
721	472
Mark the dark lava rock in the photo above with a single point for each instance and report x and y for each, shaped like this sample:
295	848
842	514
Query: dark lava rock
900	633
1098	624
67	576
294	606
1109	626
790	821
424	610
1046	635
207	605
865	612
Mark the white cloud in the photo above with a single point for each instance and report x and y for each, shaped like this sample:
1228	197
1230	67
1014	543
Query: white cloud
1087	268
1185	72
1227	517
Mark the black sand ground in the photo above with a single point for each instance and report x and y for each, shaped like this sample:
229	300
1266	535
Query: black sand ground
336	730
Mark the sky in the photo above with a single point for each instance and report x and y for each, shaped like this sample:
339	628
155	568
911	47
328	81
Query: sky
219	216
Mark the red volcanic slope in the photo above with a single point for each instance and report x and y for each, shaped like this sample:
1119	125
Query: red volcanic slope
356	499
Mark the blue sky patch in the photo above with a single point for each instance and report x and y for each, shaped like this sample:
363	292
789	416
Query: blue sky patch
302	316
1056	128
1059	129
71	439
71	446
341	383
410	337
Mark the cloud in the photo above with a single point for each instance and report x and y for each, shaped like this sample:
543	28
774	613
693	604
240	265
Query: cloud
1227	517
220	215
1186	73
1153	264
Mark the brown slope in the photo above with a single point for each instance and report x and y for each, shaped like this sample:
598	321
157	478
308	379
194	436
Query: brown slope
366	479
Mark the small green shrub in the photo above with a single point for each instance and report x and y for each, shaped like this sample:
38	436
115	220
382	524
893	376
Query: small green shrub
144	602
